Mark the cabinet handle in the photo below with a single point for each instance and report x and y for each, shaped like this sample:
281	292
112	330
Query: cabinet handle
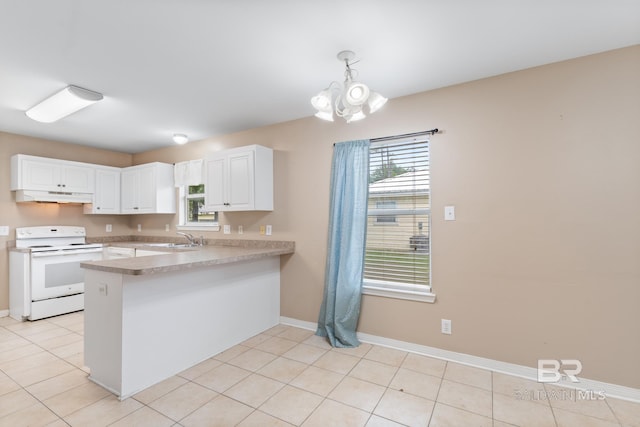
135	207
227	204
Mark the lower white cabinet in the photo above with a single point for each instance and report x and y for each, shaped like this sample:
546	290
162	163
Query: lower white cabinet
148	188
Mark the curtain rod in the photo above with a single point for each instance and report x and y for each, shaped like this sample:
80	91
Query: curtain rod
406	135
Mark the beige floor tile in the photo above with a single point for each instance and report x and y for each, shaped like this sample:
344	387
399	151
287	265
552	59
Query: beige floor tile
221	411
76	360
182	401
103	412
305	353
519	387
317	380
296	334
466	397
336	414
6	321
32	416
67	319
358	351
231	353
317	341
283	369
222	377
144	417
77	327
511	409
572	419
156	391
291	405
424	364
336	362
404	408
58	423
628	413
40	373
26	329
448	416
468	375
27	362
584	403
374	372
389	356
497	423
12	342
276	330
376	421
58	384
49	334
76	398
18	353
68	350
357	393
252	359
260	419
276	345
56	342
200	369
254	390
7	385
255	340
415	383
15	401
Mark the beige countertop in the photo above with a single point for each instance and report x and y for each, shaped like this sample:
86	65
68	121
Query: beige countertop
176	259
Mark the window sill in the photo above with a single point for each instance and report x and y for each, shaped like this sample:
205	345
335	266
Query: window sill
215	227
398	292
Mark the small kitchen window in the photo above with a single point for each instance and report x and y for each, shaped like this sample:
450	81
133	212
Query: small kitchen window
192	214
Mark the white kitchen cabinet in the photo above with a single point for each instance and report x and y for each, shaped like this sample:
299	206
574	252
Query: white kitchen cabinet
41	173
239	179
147	189
106	198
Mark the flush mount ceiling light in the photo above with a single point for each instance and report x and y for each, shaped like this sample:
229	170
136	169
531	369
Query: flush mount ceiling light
61	104
347	100
180	138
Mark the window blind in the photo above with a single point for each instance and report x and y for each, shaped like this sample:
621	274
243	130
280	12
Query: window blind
398	228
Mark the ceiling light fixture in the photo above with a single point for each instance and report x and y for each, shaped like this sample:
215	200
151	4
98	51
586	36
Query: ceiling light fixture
61	104
180	138
346	101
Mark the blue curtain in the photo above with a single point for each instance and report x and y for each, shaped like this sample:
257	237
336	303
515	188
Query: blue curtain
346	246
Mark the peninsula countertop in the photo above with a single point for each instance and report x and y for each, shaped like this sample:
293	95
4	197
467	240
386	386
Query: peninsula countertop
176	259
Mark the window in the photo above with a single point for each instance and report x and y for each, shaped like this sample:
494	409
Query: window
397	259
192	212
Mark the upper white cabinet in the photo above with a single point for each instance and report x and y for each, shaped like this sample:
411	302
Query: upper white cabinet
106	199
41	173
239	179
147	189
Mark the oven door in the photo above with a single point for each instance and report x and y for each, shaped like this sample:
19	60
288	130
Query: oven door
58	273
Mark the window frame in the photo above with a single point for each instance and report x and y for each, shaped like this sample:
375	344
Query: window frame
397	290
183	196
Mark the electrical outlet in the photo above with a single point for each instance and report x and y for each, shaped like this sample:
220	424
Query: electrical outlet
262	230
449	213
240	230
167	227
446	326
109	228
139	227
227	229
103	289
269	230
4	230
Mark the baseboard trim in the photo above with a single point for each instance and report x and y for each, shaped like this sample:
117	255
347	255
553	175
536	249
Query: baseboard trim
610	390
4	313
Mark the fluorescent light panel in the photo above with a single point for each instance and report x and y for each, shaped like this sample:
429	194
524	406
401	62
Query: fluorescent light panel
63	103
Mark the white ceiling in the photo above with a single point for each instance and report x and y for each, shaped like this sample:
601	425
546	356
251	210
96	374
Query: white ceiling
212	67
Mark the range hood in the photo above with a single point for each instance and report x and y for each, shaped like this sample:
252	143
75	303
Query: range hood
52	196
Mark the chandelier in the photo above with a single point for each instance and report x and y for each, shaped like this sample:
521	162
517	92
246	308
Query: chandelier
347	100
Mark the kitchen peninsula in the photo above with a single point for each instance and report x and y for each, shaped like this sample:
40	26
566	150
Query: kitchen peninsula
148	318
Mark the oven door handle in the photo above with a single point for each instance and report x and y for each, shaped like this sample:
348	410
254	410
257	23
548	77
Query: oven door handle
63	252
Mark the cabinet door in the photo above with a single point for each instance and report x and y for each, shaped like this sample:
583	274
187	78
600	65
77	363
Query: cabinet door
147	190
77	179
107	194
215	197
240	184
40	175
129	191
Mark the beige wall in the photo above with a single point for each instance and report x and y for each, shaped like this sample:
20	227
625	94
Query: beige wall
543	168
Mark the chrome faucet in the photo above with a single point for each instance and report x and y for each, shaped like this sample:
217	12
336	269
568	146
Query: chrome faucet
190	238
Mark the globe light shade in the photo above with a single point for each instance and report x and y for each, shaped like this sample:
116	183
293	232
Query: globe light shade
376	101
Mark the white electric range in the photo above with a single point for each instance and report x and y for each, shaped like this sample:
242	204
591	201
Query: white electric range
46	280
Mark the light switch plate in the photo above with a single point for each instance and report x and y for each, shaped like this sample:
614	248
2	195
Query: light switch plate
4	230
269	230
108	228
227	229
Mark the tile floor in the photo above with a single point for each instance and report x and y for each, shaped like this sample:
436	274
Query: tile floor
285	376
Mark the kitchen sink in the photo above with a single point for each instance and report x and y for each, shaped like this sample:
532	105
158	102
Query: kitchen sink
171	245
